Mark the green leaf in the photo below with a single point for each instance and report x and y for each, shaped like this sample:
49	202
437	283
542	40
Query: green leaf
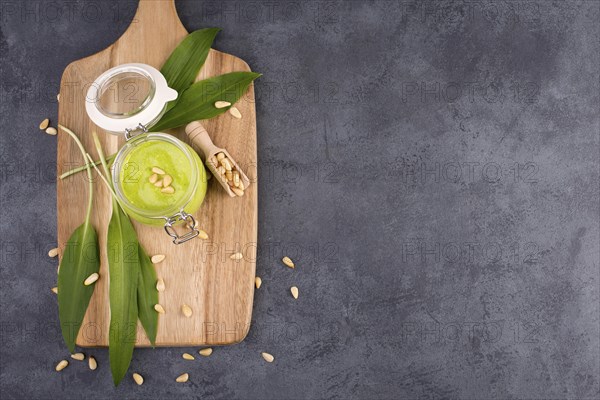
147	296
189	56
80	259
198	101
124	269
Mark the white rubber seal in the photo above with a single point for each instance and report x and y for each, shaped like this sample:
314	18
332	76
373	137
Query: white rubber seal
162	95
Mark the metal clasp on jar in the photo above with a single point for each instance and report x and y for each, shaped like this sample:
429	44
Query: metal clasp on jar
131	133
190	223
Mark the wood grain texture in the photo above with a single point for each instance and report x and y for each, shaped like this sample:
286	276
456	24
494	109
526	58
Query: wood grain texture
198	273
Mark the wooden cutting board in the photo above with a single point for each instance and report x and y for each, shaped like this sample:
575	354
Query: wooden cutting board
198	273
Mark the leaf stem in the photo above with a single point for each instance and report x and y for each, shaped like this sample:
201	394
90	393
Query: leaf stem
89	172
84	167
101	155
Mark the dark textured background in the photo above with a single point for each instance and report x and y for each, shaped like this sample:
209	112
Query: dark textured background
432	167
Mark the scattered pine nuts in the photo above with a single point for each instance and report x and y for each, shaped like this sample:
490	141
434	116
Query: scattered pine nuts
294	291
158	183
51	131
187	356
167	180
182	378
158	171
202	234
55	290
169	190
53	252
236	256
91	279
186	310
153	178
159	309
222	104
268	357
160	285
58	97
257	282
78	356
138	378
157	258
288	261
92	363
61	365
44	124
205	352
235	112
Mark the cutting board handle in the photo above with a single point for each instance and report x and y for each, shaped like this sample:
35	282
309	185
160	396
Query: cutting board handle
154	20
164	8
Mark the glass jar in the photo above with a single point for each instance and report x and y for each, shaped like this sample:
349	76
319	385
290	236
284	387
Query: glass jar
157	178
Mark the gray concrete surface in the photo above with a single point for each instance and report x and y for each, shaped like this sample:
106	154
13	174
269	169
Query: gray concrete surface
432	167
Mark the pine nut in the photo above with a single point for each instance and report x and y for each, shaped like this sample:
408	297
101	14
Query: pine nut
187	356
160	285
268	357
158	171
229	175
78	356
288	261
236	256
51	131
186	310
238	192
257	282
55	290
61	365
220	156
158	183
167	180
206	352
153	178
138	378
157	258
226	163
182	378
241	186
169	190
53	252
222	104
91	279
159	309
44	124
202	234
236	179
92	363
235	112
294	291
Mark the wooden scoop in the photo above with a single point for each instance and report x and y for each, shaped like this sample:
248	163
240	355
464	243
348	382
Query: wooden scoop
219	161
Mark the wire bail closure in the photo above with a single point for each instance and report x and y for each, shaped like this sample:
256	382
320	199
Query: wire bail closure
191	223
131	133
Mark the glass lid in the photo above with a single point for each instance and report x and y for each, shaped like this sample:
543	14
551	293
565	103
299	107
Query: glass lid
128	97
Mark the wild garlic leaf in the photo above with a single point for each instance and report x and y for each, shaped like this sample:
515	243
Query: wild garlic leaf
184	63
80	259
147	296
198	101
124	269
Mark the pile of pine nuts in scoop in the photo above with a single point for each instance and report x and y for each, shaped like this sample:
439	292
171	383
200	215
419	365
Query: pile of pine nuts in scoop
229	173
